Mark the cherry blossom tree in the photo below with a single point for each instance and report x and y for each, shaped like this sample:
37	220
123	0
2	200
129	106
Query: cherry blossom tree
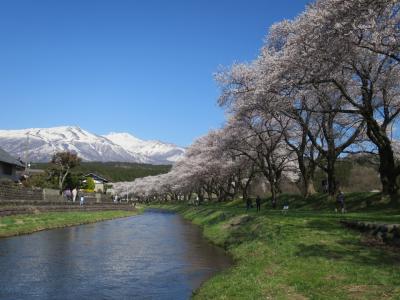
352	47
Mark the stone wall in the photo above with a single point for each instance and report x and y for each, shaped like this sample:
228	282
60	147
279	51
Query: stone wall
52	195
96	198
388	233
17	192
19	208
13	192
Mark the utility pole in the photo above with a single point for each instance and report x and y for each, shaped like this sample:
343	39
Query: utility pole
27	154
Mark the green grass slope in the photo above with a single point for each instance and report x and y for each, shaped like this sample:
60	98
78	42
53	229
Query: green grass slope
23	224
305	254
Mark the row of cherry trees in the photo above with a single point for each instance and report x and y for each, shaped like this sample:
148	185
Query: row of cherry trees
324	84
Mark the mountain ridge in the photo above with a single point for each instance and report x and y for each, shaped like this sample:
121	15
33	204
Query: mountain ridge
113	147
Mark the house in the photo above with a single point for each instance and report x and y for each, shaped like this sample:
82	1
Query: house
9	166
98	181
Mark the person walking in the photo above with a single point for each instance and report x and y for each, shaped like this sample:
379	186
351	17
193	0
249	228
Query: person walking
69	194
248	204
82	200
273	203
324	184
258	203
340	202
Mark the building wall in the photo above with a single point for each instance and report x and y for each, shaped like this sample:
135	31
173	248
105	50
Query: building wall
99	187
7	171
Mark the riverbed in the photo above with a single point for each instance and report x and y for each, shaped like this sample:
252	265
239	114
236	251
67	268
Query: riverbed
155	255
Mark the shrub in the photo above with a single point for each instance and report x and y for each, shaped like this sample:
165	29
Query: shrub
89	184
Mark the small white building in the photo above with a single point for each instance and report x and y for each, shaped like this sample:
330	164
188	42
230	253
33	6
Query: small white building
98	181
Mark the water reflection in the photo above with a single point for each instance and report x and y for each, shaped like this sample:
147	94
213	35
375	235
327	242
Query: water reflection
156	255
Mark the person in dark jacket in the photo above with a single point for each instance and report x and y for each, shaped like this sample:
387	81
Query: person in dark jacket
248	204
258	203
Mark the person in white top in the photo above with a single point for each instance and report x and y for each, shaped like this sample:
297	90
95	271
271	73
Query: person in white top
74	193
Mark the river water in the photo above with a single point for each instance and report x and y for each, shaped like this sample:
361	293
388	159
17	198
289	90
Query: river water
156	255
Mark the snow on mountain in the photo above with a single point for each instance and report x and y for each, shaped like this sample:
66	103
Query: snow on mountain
44	142
160	152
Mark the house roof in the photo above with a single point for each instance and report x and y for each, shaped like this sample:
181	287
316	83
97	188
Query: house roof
95	176
7	158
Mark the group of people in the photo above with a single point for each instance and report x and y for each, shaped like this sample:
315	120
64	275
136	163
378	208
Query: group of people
249	203
340	203
73	194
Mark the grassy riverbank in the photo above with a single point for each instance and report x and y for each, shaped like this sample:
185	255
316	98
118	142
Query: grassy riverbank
305	254
23	224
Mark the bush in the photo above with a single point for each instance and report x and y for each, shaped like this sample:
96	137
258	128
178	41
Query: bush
89	184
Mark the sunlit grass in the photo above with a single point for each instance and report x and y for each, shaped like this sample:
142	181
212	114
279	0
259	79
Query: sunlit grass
22	224
305	254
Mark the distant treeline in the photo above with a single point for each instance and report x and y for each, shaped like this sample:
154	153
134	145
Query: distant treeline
114	171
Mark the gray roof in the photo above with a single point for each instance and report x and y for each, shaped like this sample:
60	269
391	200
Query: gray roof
93	175
7	158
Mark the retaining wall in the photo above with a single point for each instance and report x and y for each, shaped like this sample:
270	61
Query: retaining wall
16	192
60	207
388	233
52	195
13	192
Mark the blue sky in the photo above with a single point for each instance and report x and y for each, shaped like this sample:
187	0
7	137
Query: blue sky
144	67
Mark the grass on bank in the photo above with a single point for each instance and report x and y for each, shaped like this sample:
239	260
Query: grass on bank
305	254
23	224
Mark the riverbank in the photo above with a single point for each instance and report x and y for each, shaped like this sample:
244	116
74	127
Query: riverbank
24	224
299	255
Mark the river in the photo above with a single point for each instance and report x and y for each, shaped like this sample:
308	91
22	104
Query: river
156	255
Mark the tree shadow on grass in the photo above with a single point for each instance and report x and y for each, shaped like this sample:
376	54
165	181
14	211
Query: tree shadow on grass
356	253
239	236
211	217
327	225
202	211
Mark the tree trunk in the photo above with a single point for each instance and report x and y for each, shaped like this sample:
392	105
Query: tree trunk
245	188
221	195
388	171
209	195
200	195
310	188
306	183
330	171
60	183
274	192
244	195
306	186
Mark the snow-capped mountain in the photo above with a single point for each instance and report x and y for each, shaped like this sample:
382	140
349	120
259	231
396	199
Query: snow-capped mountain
42	143
157	150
